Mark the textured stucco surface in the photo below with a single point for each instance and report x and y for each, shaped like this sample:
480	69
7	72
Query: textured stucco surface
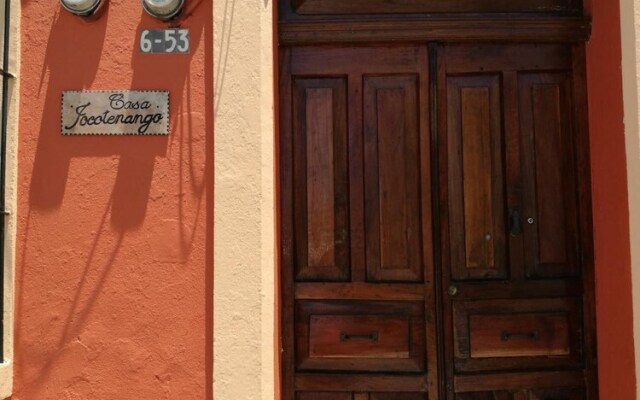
244	316
244	203
6	368
630	17
114	242
616	365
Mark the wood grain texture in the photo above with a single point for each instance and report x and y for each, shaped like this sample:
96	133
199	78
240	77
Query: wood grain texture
332	7
547	123
361	382
358	336
360	291
534	394
487	58
393	169
480	325
475	179
399	336
287	232
550	207
354	65
518	68
520	335
392	179
514	29
320	179
356	61
518	381
477	172
398	396
518	289
324	396
440	144
513	177
393	185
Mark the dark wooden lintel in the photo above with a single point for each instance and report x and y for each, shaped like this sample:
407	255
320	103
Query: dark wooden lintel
476	29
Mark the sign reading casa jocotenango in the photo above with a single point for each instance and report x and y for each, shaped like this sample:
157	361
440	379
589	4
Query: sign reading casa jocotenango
115	112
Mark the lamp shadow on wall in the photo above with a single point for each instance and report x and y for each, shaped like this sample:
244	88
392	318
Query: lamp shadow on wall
82	66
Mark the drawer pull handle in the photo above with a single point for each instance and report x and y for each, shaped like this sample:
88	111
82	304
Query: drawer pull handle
373	336
533	335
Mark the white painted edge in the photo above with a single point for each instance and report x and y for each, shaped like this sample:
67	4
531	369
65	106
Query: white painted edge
630	31
6	368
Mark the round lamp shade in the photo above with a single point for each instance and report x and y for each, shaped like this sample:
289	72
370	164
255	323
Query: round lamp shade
163	9
80	7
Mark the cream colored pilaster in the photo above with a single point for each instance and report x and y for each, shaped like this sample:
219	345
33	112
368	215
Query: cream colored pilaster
244	221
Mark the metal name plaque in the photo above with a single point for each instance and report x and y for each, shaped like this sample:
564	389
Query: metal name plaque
115	112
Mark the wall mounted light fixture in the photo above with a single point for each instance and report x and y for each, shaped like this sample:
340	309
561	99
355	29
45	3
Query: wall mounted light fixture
163	9
81	7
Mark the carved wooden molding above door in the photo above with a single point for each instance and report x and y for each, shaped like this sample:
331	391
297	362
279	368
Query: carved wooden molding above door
361	7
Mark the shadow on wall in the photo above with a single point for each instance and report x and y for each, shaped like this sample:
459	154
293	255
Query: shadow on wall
75	67
78	66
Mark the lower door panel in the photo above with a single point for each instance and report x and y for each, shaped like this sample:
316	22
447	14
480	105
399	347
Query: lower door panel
539	394
360	396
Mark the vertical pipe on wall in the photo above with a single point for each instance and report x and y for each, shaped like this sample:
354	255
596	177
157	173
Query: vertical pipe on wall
3	156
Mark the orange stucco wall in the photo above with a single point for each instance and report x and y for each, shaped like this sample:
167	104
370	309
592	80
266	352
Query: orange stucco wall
114	267
610	204
114	257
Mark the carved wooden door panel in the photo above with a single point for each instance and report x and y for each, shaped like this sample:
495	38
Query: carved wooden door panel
435	223
511	242
358	293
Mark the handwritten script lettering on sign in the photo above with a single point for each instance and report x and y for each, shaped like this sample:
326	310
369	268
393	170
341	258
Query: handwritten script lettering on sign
115	112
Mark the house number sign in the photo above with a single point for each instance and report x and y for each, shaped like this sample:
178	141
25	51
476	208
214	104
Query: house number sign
115	112
164	40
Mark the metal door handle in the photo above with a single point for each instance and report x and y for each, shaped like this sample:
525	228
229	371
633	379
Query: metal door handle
373	336
533	335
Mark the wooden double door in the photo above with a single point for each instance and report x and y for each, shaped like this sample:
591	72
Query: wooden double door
435	223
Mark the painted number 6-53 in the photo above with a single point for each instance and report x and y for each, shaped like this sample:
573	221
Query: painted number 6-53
164	41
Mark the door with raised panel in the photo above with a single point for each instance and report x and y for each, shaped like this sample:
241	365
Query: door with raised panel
358	287
514	306
435	223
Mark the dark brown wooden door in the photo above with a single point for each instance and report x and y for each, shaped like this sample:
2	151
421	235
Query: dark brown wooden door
511	246
435	227
358	287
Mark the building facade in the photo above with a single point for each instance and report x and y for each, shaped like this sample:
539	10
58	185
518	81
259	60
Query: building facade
148	266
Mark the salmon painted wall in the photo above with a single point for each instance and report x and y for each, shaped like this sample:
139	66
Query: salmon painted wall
114	250
614	306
